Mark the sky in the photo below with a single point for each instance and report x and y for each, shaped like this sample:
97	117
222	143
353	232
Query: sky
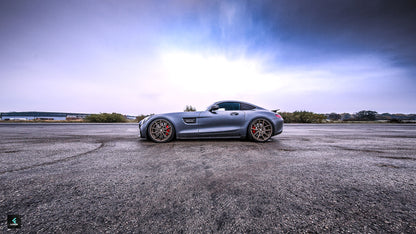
142	57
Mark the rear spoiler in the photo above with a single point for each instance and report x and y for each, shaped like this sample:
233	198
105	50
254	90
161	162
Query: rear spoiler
275	111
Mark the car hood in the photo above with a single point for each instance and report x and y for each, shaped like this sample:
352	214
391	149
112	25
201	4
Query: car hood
184	114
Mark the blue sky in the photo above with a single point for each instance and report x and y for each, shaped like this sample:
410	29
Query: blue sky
139	57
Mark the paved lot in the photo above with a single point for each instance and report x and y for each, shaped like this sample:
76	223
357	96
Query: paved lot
101	177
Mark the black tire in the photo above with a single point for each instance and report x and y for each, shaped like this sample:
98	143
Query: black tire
161	131
260	130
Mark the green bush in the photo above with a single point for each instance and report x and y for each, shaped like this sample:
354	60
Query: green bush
287	116
106	118
395	121
302	117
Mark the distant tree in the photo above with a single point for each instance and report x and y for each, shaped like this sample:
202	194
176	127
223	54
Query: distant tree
366	115
384	116
334	116
189	108
346	116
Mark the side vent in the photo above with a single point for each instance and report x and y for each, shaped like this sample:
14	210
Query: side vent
189	120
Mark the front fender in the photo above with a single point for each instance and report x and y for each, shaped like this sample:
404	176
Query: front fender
144	127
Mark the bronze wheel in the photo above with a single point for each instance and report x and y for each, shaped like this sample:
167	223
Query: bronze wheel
260	130
161	131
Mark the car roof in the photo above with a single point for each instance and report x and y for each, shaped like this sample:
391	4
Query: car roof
239	102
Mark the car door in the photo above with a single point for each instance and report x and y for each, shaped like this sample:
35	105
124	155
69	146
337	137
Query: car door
227	121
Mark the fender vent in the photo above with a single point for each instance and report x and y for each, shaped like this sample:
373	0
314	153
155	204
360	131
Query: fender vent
189	120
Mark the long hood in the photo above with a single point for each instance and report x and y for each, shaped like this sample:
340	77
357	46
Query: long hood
180	114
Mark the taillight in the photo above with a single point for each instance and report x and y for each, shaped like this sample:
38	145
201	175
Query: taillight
278	116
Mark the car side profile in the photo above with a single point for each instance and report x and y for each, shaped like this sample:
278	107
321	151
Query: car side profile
224	119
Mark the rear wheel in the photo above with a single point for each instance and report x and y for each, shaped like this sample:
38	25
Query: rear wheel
260	130
161	131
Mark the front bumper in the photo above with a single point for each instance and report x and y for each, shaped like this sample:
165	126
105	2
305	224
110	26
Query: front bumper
142	130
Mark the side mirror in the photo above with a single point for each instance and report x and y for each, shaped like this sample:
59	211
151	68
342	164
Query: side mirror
214	108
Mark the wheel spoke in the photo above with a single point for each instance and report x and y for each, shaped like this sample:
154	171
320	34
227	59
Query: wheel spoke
261	129
160	130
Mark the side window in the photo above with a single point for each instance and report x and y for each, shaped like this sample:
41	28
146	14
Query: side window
245	106
230	106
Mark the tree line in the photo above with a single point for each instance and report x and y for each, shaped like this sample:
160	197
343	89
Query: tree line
364	115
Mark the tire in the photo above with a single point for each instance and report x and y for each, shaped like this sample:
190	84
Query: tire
260	130
161	131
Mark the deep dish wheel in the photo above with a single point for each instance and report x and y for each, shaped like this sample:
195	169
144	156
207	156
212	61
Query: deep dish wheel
260	130
161	131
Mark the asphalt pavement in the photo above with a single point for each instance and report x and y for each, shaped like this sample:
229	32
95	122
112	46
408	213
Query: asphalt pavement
326	178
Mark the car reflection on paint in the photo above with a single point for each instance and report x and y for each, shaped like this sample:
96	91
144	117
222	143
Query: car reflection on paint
224	119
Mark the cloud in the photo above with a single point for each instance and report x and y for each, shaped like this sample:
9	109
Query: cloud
145	56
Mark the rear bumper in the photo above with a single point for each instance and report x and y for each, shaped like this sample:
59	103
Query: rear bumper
278	127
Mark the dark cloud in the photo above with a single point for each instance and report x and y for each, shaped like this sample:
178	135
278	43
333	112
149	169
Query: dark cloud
307	29
345	26
290	29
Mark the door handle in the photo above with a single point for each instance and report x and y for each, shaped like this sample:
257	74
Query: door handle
234	113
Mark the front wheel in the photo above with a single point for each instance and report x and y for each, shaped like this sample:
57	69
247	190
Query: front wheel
161	131
260	130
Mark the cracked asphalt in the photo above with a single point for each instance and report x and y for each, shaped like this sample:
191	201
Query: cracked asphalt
83	178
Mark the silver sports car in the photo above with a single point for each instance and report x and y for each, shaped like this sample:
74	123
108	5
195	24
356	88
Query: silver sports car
224	119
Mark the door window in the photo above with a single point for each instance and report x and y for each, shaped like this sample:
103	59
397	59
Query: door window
230	106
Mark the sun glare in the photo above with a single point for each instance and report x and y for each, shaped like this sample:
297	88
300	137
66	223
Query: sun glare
218	75
195	72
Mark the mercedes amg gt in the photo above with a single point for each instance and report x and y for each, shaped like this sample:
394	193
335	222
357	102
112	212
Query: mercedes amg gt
224	119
